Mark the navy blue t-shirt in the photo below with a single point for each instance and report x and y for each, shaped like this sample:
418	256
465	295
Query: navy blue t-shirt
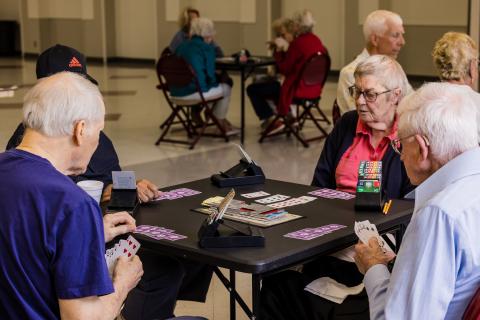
52	243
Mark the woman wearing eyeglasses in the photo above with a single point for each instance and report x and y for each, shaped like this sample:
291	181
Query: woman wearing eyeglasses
366	133
363	134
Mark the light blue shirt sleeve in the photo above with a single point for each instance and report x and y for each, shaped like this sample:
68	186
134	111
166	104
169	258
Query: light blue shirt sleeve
422	283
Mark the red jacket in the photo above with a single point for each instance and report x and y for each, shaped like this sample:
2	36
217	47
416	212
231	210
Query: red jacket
290	64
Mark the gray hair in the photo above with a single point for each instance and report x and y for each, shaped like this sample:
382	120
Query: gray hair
202	27
56	103
304	21
444	114
386	70
376	23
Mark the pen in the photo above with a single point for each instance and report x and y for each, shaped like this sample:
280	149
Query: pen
387	207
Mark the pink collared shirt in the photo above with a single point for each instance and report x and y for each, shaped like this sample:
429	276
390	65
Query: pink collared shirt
346	173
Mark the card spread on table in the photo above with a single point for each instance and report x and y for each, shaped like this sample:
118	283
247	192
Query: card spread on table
312	233
274	198
366	230
291	202
176	194
159	233
257	194
126	248
332	194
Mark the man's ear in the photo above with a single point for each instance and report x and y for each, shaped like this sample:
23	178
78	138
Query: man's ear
396	96
374	40
422	147
79	132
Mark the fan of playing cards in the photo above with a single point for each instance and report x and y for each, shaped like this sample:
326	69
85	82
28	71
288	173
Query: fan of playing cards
126	248
217	213
366	230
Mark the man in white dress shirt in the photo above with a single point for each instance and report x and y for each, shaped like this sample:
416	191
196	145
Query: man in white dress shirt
437	270
383	32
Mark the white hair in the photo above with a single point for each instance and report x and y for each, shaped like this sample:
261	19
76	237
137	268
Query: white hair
304	21
445	114
56	103
386	70
376	23
202	27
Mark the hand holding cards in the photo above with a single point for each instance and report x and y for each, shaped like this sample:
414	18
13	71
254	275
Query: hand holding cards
127	248
366	230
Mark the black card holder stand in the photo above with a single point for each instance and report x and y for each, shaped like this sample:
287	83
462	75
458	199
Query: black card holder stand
244	173
369	201
209	236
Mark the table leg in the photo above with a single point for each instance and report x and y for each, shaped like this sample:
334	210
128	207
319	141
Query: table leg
242	105
256	283
232	295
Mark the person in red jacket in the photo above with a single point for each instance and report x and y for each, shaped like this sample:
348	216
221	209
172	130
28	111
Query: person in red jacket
289	64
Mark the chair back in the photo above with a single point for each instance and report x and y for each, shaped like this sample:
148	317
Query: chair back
316	69
473	309
174	71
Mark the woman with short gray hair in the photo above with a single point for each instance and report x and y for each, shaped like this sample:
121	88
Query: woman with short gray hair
200	54
362	134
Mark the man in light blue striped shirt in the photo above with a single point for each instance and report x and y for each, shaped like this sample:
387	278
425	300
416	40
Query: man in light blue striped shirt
437	269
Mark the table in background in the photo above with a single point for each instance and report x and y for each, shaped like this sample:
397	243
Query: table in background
279	252
246	69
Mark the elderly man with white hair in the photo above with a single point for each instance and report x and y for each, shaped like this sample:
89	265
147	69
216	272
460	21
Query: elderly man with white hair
437	269
53	236
383	32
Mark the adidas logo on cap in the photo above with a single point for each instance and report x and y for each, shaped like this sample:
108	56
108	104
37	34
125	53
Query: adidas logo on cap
74	63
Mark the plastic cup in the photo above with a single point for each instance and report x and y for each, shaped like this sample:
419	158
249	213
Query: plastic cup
94	188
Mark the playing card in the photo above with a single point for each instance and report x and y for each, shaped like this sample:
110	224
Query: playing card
366	230
306	198
274	198
312	233
133	244
287	203
331	194
255	194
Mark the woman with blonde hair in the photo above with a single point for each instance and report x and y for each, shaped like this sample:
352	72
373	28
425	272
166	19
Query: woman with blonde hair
455	56
184	22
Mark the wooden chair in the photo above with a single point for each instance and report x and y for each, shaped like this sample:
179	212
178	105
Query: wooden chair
313	73
173	71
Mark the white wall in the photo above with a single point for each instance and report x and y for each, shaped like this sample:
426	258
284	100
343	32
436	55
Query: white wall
135	29
329	16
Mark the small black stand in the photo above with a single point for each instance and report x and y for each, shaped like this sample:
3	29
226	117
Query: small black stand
123	200
210	237
244	173
369	201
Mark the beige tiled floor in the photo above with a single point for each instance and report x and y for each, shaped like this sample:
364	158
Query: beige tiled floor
137	129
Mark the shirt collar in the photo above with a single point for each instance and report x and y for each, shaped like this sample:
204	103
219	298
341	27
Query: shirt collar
363	129
464	165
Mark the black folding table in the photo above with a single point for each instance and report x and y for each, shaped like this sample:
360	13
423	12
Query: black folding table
245	69
279	252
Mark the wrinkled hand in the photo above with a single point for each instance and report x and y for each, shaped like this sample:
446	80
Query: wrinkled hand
107	193
128	272
115	224
146	190
369	255
281	44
